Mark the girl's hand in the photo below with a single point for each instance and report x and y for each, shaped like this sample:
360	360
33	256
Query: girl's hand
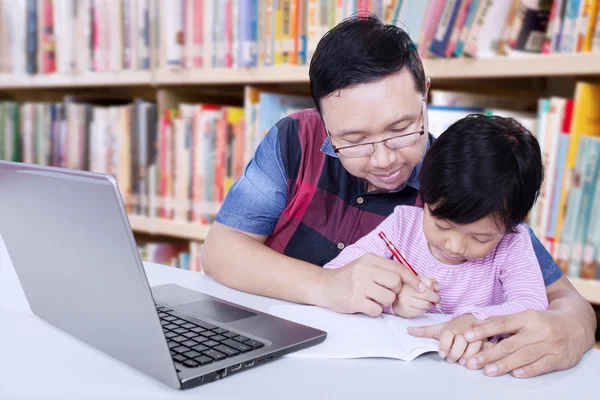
453	346
410	303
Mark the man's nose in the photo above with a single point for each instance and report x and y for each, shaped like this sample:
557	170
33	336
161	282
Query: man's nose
382	156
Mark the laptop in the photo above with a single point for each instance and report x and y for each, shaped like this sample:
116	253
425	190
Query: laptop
72	247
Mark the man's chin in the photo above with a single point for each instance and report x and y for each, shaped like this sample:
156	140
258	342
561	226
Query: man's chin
397	184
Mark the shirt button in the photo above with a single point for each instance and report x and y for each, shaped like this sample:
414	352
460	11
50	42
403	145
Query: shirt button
341	245
360	200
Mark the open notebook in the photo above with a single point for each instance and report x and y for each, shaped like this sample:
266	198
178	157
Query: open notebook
361	336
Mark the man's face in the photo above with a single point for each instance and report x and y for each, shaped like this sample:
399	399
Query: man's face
375	111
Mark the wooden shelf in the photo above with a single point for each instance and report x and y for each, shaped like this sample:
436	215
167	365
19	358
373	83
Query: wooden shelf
221	76
590	289
527	66
163	227
462	68
579	64
92	79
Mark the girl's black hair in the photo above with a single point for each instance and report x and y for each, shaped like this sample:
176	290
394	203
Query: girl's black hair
483	165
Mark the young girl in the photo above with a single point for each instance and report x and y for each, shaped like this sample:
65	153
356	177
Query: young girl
478	181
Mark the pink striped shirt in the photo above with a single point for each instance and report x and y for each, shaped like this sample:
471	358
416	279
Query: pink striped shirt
506	281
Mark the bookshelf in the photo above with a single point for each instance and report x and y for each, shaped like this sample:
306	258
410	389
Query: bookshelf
589	289
533	66
163	227
87	80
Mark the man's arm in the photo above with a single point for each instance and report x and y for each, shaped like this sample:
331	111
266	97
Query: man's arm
235	255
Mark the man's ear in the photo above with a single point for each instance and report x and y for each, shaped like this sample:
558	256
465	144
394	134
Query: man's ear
427	86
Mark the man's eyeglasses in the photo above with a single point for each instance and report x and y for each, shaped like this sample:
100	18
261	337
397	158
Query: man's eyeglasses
394	142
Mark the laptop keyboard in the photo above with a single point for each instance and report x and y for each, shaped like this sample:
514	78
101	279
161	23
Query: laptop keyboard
197	344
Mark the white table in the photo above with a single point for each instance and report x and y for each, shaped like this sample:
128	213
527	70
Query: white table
40	361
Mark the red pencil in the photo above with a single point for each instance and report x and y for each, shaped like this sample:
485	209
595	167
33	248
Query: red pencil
403	261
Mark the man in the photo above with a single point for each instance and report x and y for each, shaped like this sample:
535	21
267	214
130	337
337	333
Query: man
323	178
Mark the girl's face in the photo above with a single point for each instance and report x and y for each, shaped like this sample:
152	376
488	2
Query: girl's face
454	244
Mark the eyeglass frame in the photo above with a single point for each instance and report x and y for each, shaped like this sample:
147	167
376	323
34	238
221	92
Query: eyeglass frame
384	141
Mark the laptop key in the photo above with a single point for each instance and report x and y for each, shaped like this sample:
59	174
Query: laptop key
188	326
218	338
171	326
220	331
164	322
227	350
189	343
230	334
238	346
200	339
173	344
181	349
255	344
179	339
190	363
208	334
179	321
200	348
192	354
215	355
203	360
197	329
190	335
180	330
179	358
211	343
170	318
206	325
170	335
241	338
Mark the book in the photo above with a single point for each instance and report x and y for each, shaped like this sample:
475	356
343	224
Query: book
359	335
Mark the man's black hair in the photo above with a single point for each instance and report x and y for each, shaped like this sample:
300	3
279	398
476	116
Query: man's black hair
362	50
483	165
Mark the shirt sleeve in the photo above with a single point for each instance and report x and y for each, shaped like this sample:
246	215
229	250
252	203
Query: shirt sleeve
521	279
256	200
371	243
550	270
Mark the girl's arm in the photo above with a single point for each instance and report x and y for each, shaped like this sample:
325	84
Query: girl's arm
521	279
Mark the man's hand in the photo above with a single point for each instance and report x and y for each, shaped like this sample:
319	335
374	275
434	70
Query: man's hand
453	346
543	341
411	303
366	285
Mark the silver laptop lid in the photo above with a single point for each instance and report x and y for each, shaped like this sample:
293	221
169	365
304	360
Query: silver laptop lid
69	239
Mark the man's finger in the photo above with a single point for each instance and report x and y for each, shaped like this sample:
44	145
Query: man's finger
524	356
430	331
499	351
542	366
370	308
493	326
380	294
388	279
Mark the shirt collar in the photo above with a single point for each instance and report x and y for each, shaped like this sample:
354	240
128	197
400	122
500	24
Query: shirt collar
413	180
